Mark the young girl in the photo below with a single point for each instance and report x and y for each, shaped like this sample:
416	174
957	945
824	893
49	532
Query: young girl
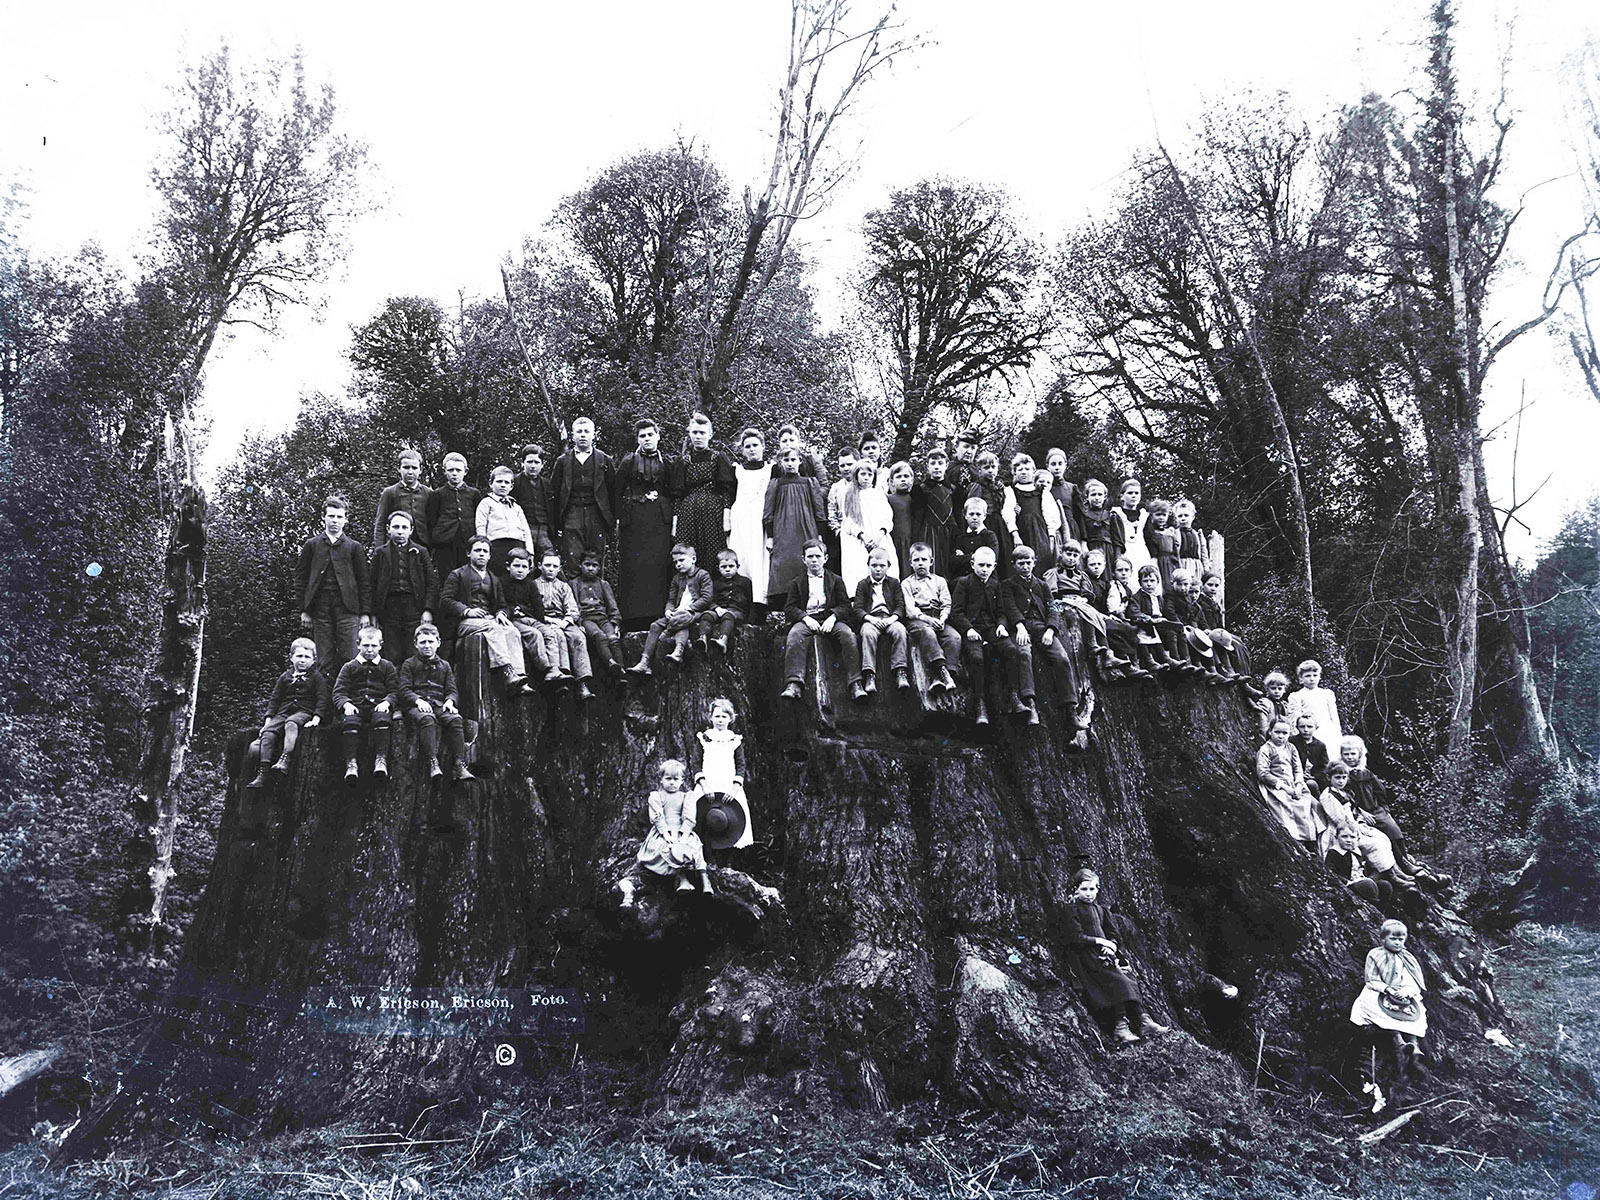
672	847
1392	997
793	513
747	538
867	523
1055	462
933	511
1094	520
1273	706
722	765
1283	786
1163	542
1310	697
1113	998
1031	514
1194	551
1128	521
901	480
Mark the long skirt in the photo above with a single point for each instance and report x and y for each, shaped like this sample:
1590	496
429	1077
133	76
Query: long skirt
644	561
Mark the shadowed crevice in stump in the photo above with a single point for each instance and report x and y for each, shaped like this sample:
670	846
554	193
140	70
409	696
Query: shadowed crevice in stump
893	933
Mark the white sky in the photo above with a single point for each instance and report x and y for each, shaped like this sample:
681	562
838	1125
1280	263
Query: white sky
480	117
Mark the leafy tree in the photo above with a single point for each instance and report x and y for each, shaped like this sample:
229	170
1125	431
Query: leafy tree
948	293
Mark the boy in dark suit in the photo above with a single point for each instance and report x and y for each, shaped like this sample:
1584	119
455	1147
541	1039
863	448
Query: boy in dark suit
298	699
532	491
975	511
1026	602
818	604
581	487
452	514
688	595
367	693
977	615
409	496
335	590
428	695
878	605
405	588
732	596
600	614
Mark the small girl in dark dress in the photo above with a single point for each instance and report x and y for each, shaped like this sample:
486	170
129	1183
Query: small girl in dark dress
1113	998
795	511
1163	541
704	485
934	518
901	481
1094	520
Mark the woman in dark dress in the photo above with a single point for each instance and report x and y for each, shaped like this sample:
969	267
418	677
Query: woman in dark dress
1113	998
703	485
644	530
933	510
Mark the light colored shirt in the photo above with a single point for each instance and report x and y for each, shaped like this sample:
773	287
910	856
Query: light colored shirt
557	597
497	519
926	599
816	593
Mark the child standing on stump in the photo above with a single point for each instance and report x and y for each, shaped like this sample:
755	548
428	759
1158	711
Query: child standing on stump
298	699
1112	996
672	847
1311	697
428	695
722	765
367	693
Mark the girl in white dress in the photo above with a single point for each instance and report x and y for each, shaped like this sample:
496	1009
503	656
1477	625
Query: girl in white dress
672	847
746	538
867	524
722	764
1128	521
1392	997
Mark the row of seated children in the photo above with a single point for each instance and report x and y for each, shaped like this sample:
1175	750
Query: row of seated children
369	691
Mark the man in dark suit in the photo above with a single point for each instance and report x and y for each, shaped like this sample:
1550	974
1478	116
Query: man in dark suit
452	517
817	603
581	485
878	604
335	590
405	587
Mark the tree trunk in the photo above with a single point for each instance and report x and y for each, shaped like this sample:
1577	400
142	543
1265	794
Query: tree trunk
895	930
169	713
714	370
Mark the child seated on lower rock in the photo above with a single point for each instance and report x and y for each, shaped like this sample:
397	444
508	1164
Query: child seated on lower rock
1391	998
428	696
298	700
672	847
1369	795
878	604
1112	996
1313	754
732	597
1344	858
1373	844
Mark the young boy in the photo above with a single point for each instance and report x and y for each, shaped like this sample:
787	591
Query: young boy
366	694
878	604
334	587
525	608
1312	698
428	694
976	614
790	438
502	521
298	699
688	595
731	599
452	516
600	616
927	608
409	496
1149	614
976	534
1179	604
1026	602
562	627
532	492
475	601
1075	602
1234	654
988	488
818	604
405	588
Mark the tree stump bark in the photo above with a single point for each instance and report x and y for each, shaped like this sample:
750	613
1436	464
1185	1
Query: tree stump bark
894	931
